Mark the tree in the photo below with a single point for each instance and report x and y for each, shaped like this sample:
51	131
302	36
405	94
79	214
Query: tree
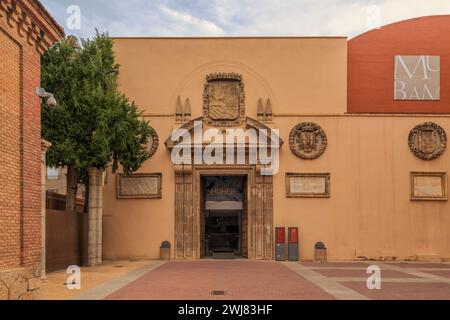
94	125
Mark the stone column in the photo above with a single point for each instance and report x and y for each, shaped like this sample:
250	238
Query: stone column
95	216
45	145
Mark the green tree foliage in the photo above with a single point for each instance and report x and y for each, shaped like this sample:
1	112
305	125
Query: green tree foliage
93	125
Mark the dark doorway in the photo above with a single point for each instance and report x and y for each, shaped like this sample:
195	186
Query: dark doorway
224	217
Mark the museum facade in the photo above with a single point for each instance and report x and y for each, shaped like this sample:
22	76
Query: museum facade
343	139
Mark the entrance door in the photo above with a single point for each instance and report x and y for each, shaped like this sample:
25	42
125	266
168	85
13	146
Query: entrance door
256	229
223	217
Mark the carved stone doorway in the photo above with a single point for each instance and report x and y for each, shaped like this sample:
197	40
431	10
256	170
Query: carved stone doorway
188	210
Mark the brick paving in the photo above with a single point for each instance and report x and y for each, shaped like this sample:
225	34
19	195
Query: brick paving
337	272
417	265
269	280
240	279
399	280
442	273
403	291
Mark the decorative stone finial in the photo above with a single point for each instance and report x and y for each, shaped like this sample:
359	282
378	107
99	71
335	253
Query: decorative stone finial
260	110
268	112
179	111
187	110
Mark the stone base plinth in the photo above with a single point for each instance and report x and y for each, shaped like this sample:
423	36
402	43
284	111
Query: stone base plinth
434	258
19	284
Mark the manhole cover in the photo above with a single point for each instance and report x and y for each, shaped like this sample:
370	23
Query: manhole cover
118	266
217	293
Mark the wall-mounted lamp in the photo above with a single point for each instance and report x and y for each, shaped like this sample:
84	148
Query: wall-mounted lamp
51	101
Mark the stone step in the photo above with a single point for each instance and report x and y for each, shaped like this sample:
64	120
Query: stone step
223	255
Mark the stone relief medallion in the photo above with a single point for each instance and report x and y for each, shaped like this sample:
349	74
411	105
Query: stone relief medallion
427	141
308	141
224	100
153	143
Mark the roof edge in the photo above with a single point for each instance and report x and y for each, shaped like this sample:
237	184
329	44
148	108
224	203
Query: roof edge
400	22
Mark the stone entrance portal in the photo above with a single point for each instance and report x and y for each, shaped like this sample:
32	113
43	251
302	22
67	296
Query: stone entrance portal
252	222
255	236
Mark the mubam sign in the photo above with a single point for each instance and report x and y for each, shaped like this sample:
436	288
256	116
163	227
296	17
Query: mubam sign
417	78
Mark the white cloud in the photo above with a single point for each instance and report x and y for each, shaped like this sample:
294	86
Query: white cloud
184	21
240	17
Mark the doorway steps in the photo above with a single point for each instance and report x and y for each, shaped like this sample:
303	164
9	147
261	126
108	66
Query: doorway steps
223	255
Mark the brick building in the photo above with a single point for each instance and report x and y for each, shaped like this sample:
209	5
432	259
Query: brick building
26	31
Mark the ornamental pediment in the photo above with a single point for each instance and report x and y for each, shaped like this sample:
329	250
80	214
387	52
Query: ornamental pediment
198	131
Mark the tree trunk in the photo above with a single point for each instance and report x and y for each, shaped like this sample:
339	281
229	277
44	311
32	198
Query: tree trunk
86	197
72	189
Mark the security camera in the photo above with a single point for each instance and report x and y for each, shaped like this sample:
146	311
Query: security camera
51	101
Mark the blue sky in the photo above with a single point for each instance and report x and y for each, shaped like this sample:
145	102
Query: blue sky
237	17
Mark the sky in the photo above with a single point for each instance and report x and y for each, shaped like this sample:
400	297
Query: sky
178	18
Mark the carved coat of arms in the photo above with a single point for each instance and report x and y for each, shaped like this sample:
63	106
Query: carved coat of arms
152	143
427	141
308	141
224	100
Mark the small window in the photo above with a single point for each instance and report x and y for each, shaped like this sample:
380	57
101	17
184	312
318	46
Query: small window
52	173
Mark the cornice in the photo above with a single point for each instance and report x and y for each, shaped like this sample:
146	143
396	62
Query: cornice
32	22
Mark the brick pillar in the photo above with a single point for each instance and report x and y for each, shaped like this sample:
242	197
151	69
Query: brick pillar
45	145
95	216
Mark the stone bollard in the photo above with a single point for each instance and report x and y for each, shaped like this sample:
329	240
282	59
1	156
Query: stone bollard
164	251
320	252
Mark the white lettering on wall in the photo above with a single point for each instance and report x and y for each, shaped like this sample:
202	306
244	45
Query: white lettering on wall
417	78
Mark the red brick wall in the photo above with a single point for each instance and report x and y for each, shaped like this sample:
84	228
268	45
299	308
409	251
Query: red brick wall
20	141
371	65
10	102
31	157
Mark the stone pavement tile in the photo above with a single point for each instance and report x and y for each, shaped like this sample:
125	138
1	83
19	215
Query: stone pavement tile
54	287
240	279
403	291
111	286
329	285
362	273
416	272
441	273
418	265
335	264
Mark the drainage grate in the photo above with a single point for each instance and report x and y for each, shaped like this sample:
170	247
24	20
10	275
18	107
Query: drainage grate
218	293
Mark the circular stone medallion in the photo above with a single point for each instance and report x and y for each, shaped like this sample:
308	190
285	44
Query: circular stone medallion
308	141
427	141
153	143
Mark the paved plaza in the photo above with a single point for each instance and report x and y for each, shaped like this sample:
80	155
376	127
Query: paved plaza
269	280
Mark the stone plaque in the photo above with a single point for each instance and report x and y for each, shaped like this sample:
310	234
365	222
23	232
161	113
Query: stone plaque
429	186
308	185
417	78
427	141
224	100
308	141
139	186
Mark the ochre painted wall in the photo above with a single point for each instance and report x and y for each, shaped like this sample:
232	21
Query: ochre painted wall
298	74
369	213
371	65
